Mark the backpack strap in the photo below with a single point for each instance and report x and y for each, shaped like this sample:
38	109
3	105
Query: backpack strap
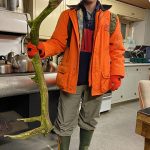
113	23
69	30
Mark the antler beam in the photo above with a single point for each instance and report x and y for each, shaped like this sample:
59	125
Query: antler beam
46	125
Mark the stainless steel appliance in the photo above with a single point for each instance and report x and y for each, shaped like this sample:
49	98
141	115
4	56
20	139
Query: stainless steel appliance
13	22
5	66
9	4
3	4
106	102
12	4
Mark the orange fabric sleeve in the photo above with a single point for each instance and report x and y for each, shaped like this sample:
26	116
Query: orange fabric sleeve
117	52
57	43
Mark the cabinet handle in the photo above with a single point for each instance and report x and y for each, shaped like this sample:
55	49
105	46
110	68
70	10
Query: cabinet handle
121	96
134	93
137	69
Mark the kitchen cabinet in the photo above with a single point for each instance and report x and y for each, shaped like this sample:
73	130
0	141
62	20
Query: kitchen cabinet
143	37
125	9
129	88
35	7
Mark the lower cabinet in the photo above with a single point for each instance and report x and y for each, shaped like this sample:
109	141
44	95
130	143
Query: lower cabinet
129	88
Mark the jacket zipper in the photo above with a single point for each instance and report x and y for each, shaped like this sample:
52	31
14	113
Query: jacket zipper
95	33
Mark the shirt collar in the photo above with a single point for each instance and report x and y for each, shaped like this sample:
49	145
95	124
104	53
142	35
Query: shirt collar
98	5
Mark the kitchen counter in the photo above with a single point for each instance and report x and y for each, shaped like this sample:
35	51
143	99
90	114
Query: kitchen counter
136	64
18	84
21	83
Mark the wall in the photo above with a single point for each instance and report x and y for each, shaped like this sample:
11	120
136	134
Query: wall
142	30
139	32
147	30
10	43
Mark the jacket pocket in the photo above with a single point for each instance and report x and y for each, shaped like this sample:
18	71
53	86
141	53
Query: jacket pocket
62	69
105	81
62	76
106	74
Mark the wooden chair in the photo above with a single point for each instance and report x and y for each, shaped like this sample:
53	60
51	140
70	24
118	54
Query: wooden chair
143	116
144	93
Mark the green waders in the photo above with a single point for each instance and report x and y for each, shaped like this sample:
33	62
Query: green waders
85	139
64	142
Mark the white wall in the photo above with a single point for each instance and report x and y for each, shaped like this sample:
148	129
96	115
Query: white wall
10	43
147	30
142	30
139	32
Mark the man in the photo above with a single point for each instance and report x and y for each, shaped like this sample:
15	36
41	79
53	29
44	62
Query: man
93	63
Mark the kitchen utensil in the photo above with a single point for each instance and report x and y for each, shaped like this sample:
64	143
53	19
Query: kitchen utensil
21	63
10	56
12	4
51	66
2	59
5	67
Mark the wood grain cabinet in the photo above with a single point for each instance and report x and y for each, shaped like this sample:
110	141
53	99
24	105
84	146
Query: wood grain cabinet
129	88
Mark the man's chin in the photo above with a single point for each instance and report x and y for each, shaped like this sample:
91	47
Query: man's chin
88	2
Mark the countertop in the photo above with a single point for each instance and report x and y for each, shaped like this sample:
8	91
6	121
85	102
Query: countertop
13	84
136	64
17	84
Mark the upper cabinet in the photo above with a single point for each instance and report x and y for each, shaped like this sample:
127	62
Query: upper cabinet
35	7
126	10
48	25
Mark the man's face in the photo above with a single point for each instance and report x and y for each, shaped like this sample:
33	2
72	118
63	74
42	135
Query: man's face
89	1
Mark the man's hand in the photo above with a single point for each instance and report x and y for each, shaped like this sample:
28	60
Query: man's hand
115	82
32	50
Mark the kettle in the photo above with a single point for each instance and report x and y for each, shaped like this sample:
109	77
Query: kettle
21	63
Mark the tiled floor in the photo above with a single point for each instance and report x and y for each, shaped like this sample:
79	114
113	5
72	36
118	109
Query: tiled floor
115	131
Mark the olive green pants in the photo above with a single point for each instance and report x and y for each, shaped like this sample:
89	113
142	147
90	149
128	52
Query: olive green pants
70	113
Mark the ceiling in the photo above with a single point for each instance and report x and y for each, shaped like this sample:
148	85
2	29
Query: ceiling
140	3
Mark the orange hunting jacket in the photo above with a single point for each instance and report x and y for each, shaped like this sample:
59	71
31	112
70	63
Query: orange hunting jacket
107	56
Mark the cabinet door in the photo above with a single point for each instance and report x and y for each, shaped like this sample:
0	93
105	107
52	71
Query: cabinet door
48	25
117	96
130	91
129	86
125	9
145	72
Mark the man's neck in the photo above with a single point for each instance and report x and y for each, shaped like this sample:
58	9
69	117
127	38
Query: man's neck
90	7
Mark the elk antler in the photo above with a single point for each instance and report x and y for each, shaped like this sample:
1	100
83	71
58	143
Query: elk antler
46	125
